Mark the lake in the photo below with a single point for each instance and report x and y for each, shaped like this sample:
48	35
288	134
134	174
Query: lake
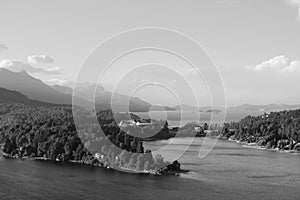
230	171
174	118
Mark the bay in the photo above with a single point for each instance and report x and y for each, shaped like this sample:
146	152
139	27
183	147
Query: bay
230	171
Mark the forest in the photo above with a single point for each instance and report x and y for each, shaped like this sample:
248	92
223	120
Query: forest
50	133
272	130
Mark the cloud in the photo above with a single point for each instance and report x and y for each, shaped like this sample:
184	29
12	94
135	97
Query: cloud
61	82
3	47
39	59
15	65
54	70
297	4
279	63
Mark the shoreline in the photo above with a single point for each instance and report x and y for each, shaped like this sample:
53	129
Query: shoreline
258	147
84	163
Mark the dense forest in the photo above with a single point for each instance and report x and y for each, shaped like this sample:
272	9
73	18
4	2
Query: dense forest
274	130
40	132
50	133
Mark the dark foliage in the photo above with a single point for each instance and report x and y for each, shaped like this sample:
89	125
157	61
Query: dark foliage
27	131
274	130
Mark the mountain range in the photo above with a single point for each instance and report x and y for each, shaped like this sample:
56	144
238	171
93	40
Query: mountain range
263	108
31	87
23	88
246	108
10	96
105	99
36	89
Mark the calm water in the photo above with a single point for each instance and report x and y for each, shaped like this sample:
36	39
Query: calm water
175	117
230	171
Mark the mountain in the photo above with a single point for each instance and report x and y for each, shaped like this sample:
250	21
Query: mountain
63	89
104	98
31	87
35	89
167	108
245	108
10	96
208	109
185	108
263	108
162	108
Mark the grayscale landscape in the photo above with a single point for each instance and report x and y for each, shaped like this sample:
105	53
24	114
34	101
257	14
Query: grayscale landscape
150	100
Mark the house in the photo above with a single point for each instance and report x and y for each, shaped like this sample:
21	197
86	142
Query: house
125	123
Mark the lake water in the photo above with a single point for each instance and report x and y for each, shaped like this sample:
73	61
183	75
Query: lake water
175	117
230	171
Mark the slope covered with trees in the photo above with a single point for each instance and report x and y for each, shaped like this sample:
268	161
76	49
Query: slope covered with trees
274	130
39	132
51	133
11	96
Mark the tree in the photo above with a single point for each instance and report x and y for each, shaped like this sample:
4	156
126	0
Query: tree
147	166
8	146
159	161
56	149
124	158
140	163
131	165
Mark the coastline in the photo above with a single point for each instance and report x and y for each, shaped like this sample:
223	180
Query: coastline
100	165
256	146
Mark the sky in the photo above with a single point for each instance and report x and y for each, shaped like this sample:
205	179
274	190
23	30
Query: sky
255	44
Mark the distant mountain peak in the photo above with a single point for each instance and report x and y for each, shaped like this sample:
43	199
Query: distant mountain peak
36	89
12	97
4	70
23	72
32	87
265	108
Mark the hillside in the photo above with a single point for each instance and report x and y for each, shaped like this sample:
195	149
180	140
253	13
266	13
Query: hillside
104	98
9	96
51	133
274	130
36	89
31	87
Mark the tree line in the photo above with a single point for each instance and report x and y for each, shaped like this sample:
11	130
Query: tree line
50	132
273	130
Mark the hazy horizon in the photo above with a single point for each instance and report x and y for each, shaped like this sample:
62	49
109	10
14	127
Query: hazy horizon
255	45
150	100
